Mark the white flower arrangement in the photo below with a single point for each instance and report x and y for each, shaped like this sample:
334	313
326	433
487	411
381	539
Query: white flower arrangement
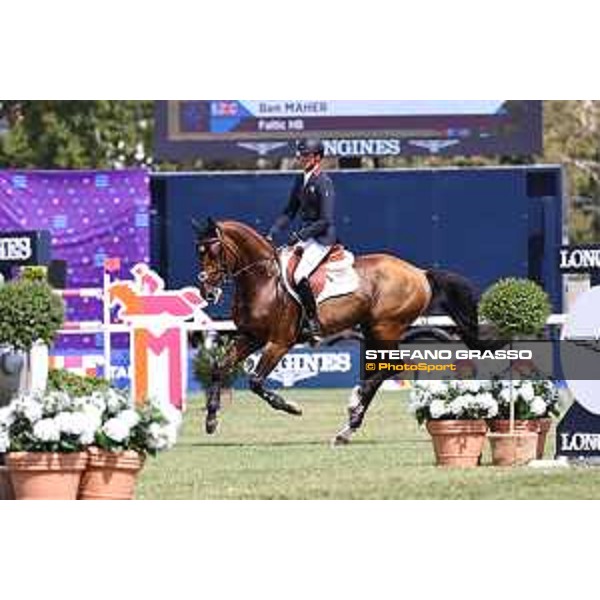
51	422
149	429
452	400
533	399
56	422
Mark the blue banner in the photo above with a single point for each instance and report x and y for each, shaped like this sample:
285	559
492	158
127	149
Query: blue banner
304	367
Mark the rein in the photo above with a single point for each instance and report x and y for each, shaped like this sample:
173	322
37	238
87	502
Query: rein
226	272
251	266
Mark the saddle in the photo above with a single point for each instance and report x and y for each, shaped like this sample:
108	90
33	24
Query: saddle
335	276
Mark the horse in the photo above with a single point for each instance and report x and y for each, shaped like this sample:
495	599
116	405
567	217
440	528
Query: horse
391	295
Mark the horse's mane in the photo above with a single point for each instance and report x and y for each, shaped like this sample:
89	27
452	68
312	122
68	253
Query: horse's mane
245	230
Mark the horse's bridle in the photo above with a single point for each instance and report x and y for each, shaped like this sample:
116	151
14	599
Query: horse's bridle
224	271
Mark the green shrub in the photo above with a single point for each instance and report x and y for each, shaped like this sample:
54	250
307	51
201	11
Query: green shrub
206	358
61	380
29	311
516	307
34	273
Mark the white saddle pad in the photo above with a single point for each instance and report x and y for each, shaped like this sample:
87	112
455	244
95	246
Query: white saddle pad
341	277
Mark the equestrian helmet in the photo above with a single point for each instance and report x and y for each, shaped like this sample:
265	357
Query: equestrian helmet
310	146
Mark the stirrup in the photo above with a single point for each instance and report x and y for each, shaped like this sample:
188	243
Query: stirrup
314	330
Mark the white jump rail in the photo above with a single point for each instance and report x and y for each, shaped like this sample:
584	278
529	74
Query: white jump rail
92	327
439	321
82	293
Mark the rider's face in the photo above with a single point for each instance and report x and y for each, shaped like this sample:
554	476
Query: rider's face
309	161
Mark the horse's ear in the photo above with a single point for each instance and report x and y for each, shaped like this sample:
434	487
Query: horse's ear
212	227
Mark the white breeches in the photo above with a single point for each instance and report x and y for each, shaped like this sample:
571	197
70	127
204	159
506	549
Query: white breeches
313	254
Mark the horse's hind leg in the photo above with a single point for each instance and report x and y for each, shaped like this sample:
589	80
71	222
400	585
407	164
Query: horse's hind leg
363	394
272	354
360	400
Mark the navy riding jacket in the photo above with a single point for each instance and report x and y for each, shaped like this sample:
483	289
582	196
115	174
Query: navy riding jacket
315	202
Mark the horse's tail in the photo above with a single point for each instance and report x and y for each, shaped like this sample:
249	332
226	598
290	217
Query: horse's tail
459	297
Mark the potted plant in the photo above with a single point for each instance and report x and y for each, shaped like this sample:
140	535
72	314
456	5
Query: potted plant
45	436
123	439
30	314
517	308
455	414
211	353
535	403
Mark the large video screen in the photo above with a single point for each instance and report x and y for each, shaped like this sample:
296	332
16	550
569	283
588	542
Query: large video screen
191	129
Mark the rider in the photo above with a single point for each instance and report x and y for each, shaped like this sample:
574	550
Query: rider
313	197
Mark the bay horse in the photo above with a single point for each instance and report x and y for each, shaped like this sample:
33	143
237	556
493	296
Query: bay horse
391	295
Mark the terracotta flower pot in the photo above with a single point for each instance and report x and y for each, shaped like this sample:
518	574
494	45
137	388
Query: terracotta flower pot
457	443
510	450
538	426
45	475
110	475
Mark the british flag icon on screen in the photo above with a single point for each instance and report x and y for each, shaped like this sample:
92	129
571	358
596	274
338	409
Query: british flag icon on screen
224	108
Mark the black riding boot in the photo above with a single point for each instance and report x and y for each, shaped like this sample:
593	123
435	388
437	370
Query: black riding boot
310	307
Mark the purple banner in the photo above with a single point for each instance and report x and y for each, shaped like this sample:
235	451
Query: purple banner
91	215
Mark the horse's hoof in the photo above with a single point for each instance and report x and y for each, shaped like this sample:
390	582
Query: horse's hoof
278	403
292	409
339	440
342	438
211	425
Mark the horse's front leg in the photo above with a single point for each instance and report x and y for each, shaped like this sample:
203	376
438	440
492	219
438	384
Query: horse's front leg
242	348
272	354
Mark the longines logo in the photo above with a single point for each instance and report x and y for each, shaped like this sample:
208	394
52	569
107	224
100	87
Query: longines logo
352	147
578	442
576	259
299	366
15	249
